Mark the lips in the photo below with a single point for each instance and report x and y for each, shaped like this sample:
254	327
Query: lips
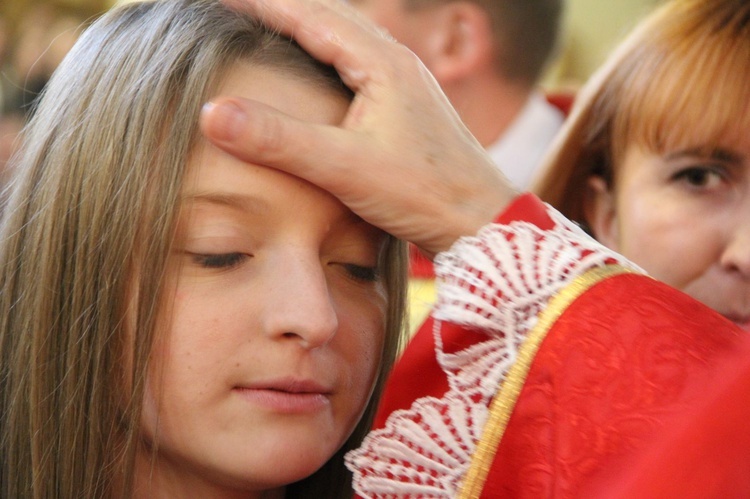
286	395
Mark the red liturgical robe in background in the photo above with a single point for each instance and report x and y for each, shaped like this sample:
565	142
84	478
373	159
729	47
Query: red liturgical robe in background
552	367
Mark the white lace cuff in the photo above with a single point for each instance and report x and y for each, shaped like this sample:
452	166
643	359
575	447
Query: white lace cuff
497	281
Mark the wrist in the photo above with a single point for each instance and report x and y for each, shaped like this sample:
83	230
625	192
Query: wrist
467	218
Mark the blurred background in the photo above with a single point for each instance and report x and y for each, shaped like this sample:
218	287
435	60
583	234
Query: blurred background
36	34
591	29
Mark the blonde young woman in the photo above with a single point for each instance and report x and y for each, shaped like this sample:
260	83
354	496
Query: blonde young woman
655	158
173	321
551	366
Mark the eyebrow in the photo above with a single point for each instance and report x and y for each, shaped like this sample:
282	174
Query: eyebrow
253	204
717	153
240	202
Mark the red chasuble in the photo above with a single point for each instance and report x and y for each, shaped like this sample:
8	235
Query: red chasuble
623	387
624	382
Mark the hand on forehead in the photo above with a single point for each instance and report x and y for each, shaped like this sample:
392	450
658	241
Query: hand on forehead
399	132
331	30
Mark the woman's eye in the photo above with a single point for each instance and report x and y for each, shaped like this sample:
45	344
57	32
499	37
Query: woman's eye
361	273
219	260
700	176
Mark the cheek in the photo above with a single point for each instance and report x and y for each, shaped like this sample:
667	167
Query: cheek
382	14
189	354
664	237
361	336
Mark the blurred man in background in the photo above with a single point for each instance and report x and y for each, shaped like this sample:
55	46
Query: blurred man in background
488	56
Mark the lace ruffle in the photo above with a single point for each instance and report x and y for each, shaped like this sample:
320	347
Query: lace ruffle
498	282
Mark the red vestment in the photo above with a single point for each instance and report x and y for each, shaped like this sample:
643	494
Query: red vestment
607	386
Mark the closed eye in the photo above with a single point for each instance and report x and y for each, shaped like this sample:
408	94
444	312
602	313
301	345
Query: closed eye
362	273
219	260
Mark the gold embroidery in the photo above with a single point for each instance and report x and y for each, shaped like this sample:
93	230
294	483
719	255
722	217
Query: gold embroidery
505	400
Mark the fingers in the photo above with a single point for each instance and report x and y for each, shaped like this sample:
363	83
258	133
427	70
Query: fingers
330	30
401	158
260	134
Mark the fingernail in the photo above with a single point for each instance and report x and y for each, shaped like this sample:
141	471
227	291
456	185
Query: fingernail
226	120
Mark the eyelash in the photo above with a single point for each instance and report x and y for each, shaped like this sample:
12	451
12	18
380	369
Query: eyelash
691	174
362	274
230	260
219	261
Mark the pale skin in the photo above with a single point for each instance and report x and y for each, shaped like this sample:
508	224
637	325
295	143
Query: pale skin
683	216
393	121
390	133
277	320
412	27
387	161
456	42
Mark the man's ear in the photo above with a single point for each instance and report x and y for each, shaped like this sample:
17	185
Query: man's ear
461	42
600	211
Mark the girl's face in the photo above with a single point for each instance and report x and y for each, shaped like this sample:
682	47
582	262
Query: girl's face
684	216
277	322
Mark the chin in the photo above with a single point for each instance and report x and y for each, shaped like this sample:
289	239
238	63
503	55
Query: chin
291	465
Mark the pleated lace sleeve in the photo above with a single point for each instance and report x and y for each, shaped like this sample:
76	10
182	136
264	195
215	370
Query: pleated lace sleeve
496	282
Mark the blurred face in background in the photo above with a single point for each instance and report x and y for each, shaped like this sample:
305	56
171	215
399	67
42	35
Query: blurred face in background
684	216
414	27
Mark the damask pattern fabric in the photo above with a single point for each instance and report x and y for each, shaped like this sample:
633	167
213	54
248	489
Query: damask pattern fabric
496	283
625	364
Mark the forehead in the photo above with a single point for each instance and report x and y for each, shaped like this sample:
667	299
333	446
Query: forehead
219	179
285	91
224	185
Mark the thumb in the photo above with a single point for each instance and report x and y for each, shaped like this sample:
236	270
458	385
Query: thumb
260	134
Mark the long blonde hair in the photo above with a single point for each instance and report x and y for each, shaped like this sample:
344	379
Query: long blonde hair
88	225
680	78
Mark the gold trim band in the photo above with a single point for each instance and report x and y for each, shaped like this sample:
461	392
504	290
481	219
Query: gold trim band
504	402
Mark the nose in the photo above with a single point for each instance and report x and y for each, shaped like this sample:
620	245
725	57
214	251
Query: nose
298	305
736	255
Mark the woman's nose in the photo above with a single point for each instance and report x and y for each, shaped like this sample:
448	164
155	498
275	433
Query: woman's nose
736	255
298	304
